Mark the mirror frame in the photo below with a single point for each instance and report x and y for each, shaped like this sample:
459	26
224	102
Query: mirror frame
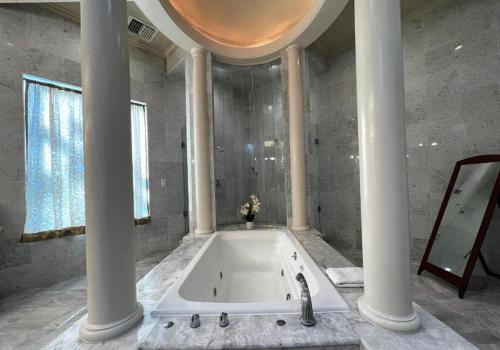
462	281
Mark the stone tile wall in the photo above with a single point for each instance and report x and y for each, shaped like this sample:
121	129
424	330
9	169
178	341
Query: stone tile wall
36	41
452	75
249	134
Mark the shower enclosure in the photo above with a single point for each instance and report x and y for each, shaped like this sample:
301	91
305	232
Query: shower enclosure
249	139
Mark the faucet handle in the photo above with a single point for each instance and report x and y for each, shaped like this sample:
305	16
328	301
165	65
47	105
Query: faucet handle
223	320
195	321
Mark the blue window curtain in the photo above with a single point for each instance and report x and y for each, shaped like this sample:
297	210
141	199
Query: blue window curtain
55	198
140	160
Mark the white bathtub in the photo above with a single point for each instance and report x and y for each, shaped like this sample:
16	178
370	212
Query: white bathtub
249	273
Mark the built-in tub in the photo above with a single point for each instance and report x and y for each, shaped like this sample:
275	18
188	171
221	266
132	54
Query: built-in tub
249	273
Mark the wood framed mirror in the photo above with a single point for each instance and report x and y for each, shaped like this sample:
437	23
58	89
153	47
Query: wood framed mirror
463	220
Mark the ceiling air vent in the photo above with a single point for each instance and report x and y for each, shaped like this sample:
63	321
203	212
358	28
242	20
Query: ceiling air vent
141	29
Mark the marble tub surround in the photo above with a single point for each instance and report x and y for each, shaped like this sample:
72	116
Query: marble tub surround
332	331
153	285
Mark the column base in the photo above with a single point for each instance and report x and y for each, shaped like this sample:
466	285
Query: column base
409	323
203	231
300	228
97	333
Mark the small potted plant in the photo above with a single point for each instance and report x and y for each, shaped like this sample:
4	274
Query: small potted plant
249	209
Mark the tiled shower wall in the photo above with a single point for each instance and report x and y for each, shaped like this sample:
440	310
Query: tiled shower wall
36	41
452	76
249	141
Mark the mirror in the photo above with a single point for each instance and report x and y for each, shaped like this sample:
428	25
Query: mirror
463	221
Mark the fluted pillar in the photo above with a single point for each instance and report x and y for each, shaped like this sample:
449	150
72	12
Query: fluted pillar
297	144
109	215
201	143
387	300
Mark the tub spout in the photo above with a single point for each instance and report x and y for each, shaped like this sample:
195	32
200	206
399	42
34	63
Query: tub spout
307	317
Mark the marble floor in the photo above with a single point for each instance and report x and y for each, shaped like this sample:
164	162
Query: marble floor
476	317
33	318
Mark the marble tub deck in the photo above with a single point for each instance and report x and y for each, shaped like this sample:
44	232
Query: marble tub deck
334	331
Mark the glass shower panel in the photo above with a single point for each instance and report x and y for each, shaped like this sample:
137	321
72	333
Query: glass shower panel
249	141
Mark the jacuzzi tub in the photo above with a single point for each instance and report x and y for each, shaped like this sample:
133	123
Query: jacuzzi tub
249	273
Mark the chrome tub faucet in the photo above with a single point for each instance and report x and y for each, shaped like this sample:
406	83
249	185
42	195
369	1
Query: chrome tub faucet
307	316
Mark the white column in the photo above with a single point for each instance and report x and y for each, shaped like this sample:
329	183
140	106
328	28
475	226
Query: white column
387	298
109	216
201	143
297	148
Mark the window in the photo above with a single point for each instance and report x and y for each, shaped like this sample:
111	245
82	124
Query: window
55	201
140	160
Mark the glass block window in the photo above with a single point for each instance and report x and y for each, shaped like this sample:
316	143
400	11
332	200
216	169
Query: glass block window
55	198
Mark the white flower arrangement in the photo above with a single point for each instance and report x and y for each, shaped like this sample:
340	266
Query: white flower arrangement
251	208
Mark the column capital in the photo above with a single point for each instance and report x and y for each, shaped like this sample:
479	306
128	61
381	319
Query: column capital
293	47
198	51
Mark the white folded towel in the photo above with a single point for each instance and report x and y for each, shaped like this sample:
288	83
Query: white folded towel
346	277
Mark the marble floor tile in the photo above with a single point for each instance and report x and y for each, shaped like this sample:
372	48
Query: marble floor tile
476	317
22	325
31	319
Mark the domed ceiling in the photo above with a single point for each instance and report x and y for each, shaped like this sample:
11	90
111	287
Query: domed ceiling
242	31
242	23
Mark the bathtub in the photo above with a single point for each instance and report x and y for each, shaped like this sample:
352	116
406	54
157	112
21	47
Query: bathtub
249	273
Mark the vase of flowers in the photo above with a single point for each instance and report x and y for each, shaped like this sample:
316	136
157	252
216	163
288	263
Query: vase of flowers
249	209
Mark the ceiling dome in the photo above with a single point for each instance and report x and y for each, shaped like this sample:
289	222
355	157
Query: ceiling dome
242	31
241	23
